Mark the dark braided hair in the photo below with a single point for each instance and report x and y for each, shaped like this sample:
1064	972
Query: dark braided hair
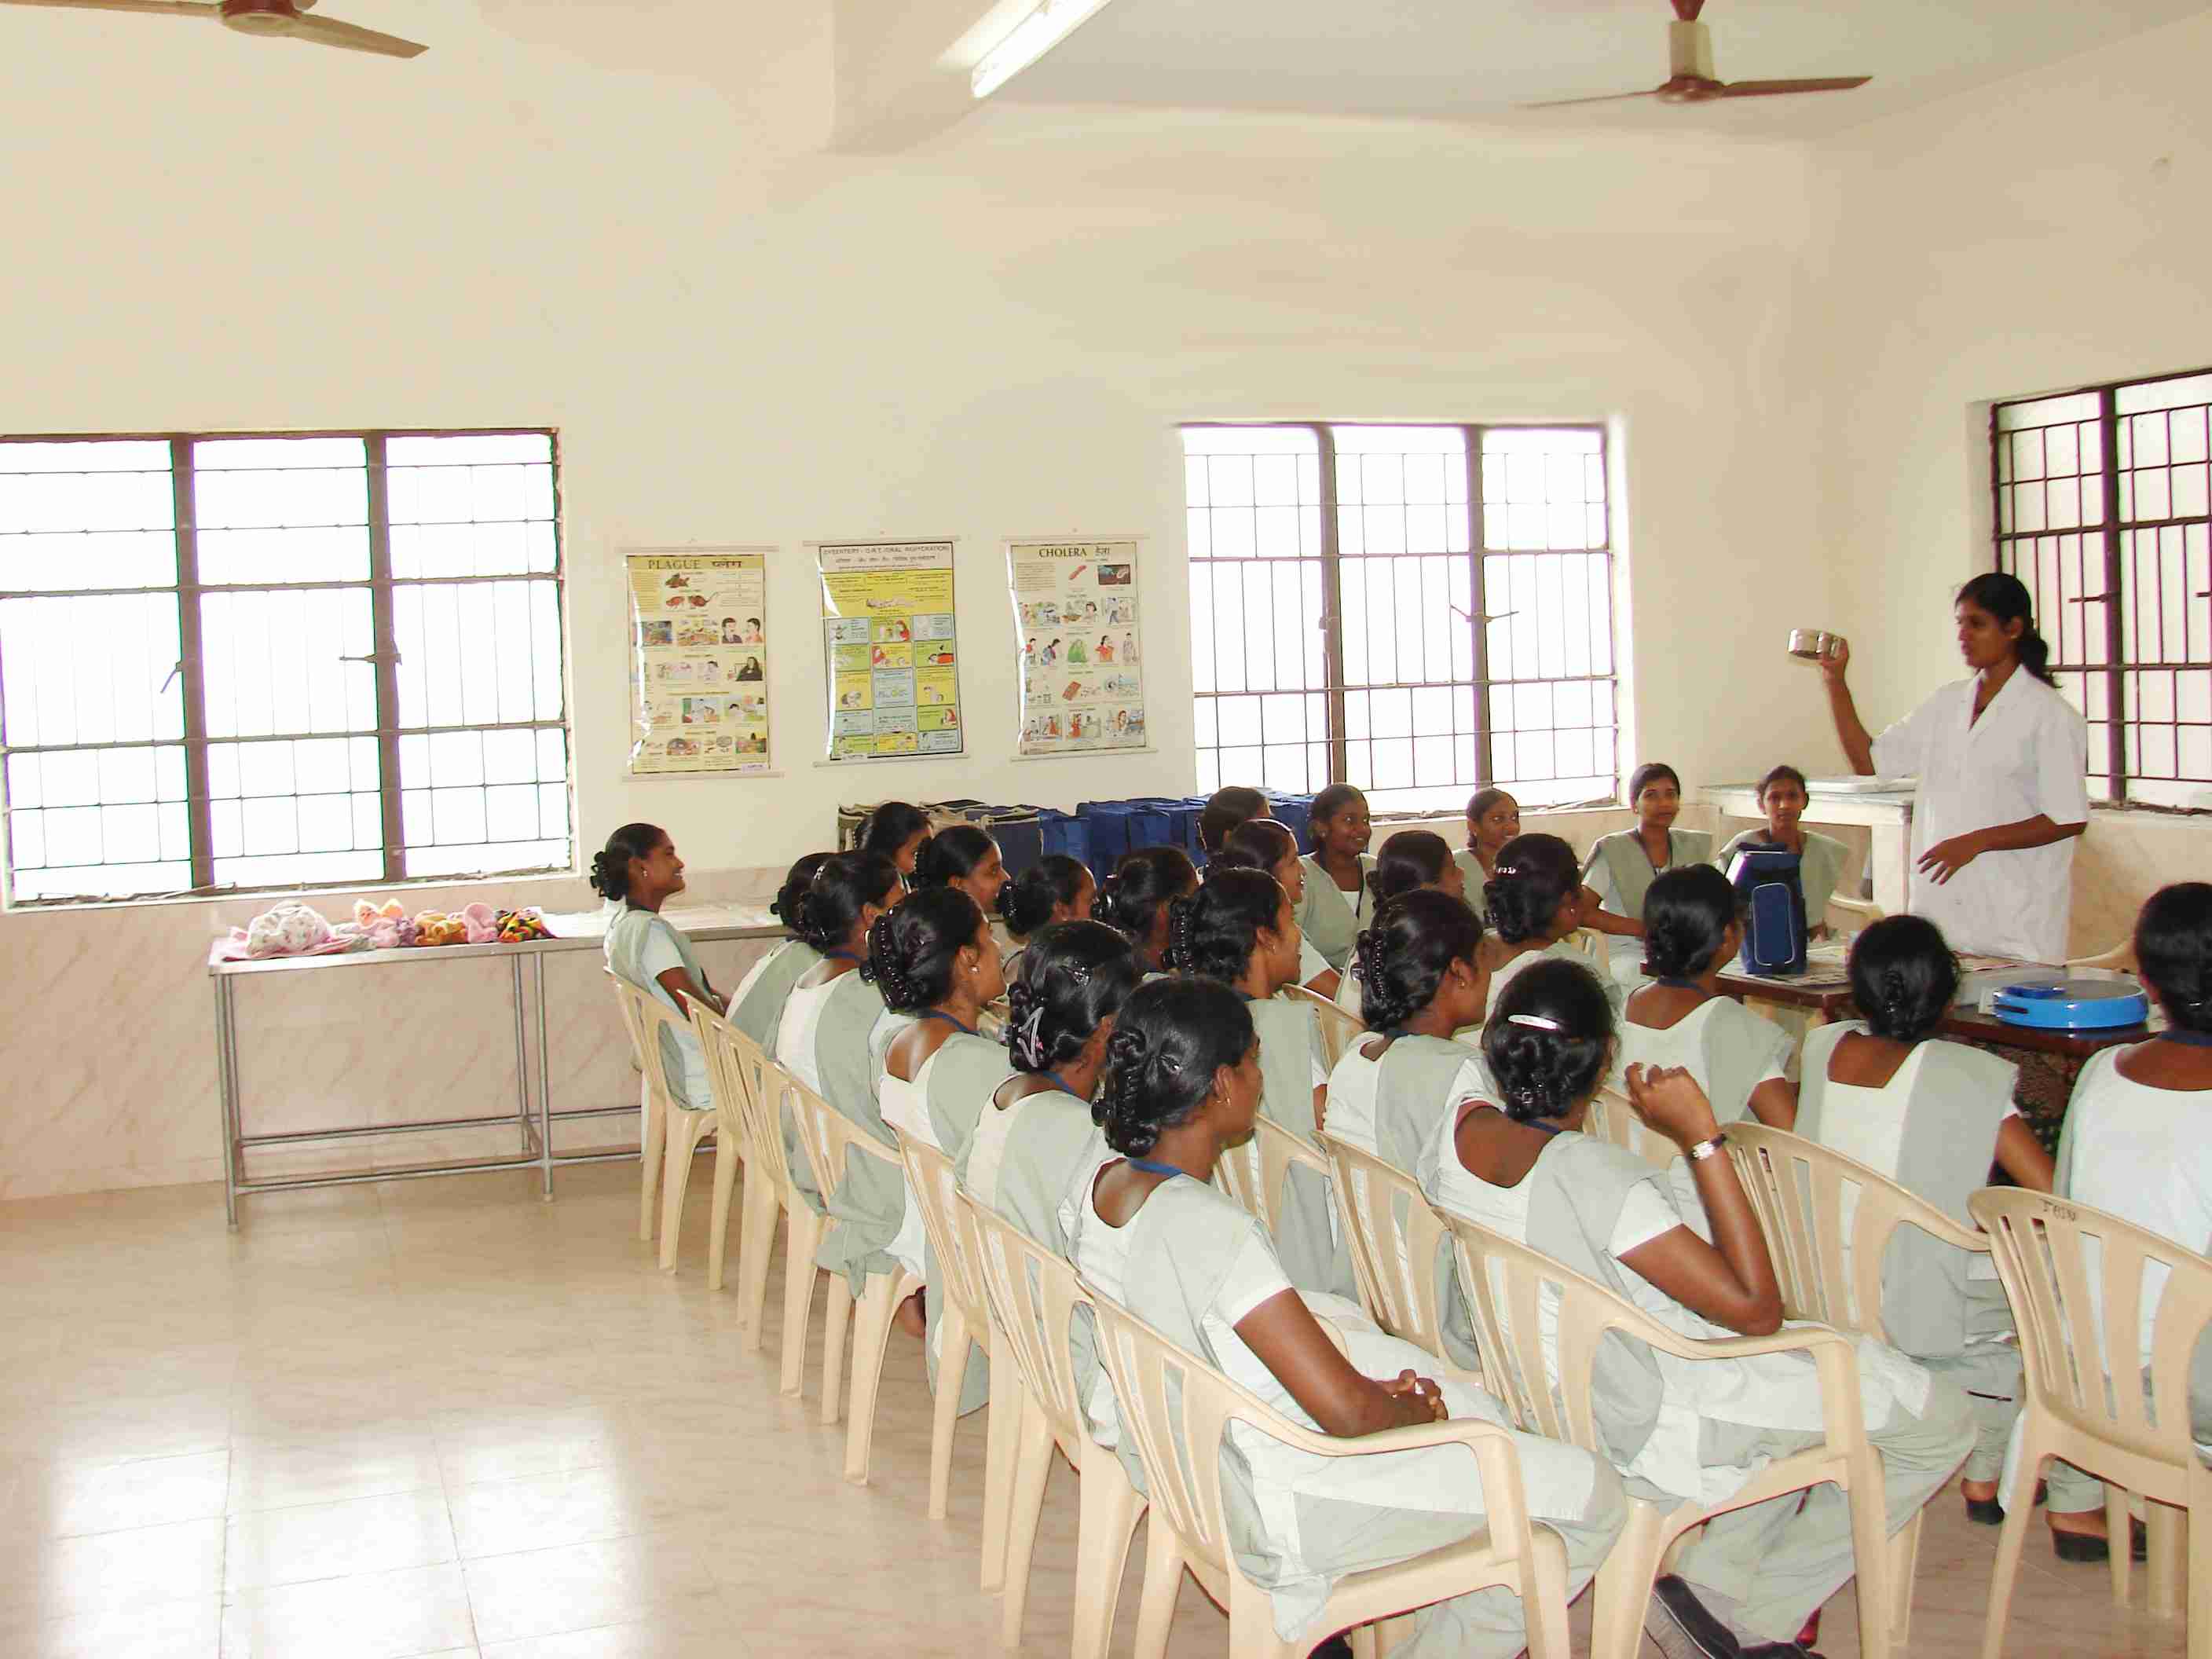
1027	901
611	868
1171	1037
1403	955
1547	1039
1535	875
1686	921
1223	811
2174	952
1478	805
1254	844
1074	977
912	949
890	826
843	887
1409	859
1132	898
795	883
1904	977
950	854
1325	806
1215	931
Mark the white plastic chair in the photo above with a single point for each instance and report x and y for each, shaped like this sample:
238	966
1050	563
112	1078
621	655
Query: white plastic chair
1033	1299
1254	1173
963	1320
2126	1423
1613	1118
1395	1235
1507	1284
652	1108
1339	1029
831	1137
670	1133
804	1225
1176	1410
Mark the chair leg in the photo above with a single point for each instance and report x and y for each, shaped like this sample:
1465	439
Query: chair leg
945	1414
683	1133
728	1158
1544	1597
1003	1420
2011	1538
1163	1583
2169	1557
755	1238
1109	1509
1366	1642
1032	1463
1903	1573
2200	1564
871	1332
1871	1557
802	1237
1623	1589
2118	1561
837	1316
652	1127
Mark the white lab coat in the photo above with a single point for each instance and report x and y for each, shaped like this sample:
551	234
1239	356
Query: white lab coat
2027	755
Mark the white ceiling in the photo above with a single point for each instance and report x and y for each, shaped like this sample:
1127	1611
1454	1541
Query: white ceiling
1479	60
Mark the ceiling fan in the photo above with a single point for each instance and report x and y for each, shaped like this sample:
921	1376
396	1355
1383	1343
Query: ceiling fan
1690	77
264	17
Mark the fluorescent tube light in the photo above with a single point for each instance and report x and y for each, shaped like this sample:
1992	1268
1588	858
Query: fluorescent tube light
1052	22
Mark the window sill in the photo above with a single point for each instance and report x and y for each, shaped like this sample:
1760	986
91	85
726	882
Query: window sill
261	898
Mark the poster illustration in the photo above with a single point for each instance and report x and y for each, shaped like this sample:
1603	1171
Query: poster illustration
891	649
1077	628
698	659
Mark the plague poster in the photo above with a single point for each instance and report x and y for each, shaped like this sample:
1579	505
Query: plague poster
698	659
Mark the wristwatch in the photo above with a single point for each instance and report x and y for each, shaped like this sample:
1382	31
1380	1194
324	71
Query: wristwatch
1705	1149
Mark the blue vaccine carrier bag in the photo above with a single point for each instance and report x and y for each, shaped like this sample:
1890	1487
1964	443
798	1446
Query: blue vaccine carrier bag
1772	894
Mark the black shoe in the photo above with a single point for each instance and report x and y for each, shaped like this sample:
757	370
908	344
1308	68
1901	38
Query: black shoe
1988	1512
1682	1624
2085	1547
1335	1647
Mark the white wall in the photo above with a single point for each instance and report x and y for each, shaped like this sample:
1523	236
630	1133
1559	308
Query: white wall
2037	235
742	339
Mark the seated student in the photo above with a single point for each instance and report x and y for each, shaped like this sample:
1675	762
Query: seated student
1035	1135
1054	890
1337	902
1241	928
1621	866
1694	1430
933	959
1691	932
2134	1142
1410	860
1932	1115
896	829
1135	899
961	855
824	1041
1535	903
1422	978
1263	844
1182	1083
1223	811
638	873
757	1006
1821	859
1493	818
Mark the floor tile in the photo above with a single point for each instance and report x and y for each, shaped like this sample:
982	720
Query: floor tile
552	1591
388	1615
68	1500
271	1547
109	1572
189	1629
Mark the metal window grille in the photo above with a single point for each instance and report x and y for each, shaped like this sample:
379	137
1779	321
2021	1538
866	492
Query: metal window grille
1420	610
2101	509
283	659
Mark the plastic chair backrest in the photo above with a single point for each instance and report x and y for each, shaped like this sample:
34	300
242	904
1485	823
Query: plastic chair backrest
1614	1119
1033	1297
1395	1234
1253	1173
1799	1189
929	1172
2070	1310
748	1091
644	1018
1338	1029
828	1135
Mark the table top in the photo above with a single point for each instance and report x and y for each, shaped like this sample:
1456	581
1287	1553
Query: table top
1823	988
582	930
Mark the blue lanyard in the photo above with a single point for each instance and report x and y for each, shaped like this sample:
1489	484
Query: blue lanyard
1061	1084
841	956
1677	982
2187	1039
1151	1168
939	1013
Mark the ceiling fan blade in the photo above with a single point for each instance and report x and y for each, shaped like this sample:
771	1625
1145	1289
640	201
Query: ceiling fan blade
168	8
329	31
1606	98
1782	88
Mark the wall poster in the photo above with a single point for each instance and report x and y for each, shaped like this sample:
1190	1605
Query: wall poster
1076	626
889	648
698	659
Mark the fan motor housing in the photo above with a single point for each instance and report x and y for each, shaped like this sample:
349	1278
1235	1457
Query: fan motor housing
259	16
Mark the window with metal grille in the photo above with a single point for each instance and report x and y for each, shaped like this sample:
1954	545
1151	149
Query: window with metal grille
280	660
2102	510
1417	609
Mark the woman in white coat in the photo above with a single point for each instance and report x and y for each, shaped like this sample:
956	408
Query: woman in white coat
2001	759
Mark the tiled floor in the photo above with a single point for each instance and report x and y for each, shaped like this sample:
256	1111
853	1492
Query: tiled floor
444	1417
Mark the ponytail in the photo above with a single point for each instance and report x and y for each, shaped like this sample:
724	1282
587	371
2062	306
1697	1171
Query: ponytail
2005	597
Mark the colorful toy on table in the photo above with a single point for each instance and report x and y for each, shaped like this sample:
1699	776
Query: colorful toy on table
380	929
518	926
436	927
290	929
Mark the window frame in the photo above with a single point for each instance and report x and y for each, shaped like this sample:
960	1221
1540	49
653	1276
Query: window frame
2119	597
1334	690
383	657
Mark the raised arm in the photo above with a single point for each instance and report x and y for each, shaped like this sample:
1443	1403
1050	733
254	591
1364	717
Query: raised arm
1850	731
1290	1342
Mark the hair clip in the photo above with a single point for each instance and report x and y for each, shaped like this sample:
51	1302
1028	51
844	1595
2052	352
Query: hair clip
1509	870
1533	1022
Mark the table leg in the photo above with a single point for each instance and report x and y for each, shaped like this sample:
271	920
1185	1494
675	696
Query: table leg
521	1054
545	1082
227	1094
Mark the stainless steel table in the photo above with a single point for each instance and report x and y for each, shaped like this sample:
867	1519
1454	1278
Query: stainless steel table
533	1120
